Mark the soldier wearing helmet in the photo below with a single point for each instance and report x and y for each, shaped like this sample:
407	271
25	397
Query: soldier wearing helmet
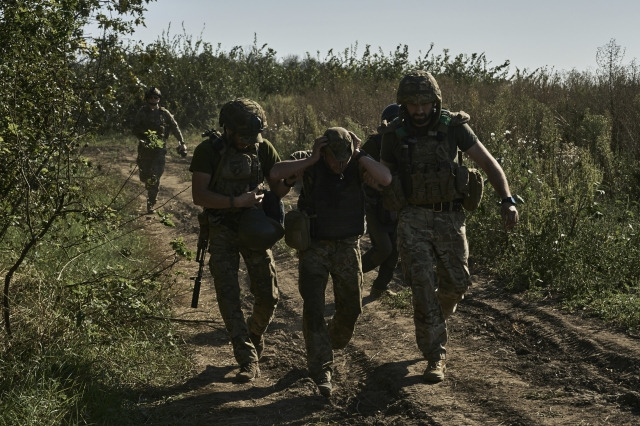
381	223
332	198
152	126
429	189
228	171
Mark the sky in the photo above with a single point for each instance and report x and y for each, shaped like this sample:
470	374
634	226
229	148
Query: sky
560	34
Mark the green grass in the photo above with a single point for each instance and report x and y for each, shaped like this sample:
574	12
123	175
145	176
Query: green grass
90	313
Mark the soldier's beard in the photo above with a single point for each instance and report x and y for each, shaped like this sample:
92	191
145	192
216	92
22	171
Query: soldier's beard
420	120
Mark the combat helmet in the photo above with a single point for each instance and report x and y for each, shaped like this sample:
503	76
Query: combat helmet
245	117
419	87
390	112
152	91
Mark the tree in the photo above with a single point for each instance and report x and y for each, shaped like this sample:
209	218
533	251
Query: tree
45	108
609	58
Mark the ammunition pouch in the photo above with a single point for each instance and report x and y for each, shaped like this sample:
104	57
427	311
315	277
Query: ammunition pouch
469	182
393	198
297	230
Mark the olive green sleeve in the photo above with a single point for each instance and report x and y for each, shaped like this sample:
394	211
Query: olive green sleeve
173	127
268	156
204	158
464	136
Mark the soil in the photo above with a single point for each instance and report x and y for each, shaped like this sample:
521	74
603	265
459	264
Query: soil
510	361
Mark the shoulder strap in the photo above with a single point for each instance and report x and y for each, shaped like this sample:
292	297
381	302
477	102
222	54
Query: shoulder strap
218	146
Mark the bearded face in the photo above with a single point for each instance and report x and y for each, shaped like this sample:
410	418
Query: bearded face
419	114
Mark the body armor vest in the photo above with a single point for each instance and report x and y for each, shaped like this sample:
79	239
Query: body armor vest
336	204
156	121
428	167
239	170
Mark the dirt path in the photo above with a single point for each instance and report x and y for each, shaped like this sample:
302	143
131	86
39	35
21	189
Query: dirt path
510	362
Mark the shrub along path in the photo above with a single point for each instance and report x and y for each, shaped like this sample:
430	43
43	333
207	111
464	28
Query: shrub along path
510	361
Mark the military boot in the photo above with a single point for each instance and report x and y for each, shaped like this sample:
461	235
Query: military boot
150	209
435	371
323	381
248	372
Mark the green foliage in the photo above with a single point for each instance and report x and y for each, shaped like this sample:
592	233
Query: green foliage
181	249
92	296
165	219
154	141
90	303
400	302
78	285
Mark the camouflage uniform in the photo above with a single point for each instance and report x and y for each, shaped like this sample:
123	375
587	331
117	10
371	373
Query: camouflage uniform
151	156
431	226
339	259
238	170
335	204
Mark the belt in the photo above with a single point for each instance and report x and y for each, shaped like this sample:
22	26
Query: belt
453	206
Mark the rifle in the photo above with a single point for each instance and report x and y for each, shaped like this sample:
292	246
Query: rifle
203	244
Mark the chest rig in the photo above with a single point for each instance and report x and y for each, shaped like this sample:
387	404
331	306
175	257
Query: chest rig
238	170
156	120
428	165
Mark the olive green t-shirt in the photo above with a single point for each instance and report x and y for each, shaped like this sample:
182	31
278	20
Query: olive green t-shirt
459	137
207	156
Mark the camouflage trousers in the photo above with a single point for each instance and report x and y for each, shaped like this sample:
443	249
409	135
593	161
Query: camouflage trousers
224	263
434	251
339	259
151	167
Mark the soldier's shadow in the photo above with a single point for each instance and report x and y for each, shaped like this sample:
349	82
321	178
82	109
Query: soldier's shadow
385	383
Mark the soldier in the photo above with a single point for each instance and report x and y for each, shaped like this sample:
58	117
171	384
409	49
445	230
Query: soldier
152	126
381	223
429	190
332	197
228	172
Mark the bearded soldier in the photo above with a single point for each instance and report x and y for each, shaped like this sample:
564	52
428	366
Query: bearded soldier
429	189
333	200
228	172
152	126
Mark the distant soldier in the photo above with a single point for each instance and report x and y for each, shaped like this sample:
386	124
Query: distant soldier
333	200
152	126
228	172
429	188
381	223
